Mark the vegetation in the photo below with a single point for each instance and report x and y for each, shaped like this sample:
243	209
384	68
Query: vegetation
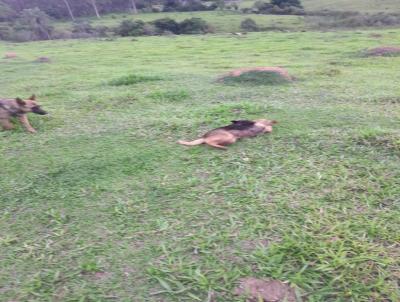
249	25
102	204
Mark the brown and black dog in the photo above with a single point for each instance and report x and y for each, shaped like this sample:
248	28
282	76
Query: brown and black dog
221	137
18	108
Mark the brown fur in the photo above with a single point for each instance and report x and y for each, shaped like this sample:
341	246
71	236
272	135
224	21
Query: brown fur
221	137
18	108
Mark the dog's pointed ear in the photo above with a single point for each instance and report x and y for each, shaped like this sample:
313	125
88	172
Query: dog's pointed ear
20	101
33	97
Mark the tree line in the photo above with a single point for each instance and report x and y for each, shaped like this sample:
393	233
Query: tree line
63	9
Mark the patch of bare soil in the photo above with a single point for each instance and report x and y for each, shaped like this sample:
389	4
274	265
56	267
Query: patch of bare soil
278	70
257	290
10	55
384	51
43	60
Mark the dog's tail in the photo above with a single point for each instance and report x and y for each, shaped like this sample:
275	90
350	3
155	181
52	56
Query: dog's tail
192	143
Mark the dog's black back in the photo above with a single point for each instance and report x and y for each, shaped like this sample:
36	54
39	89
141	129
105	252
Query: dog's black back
239	125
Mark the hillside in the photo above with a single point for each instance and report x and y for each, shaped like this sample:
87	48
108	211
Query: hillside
352	5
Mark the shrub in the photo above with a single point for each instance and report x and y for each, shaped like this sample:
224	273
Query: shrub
6	12
167	24
32	23
287	3
278	7
249	25
5	32
131	28
191	5
194	26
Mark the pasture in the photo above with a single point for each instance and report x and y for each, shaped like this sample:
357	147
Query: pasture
103	205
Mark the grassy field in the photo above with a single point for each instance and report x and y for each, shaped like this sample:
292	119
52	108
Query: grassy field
103	205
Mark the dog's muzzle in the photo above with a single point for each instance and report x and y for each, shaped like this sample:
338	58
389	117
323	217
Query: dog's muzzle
38	110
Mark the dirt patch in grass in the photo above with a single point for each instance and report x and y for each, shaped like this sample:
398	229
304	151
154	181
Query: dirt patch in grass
379	139
10	55
256	290
43	60
257	76
133	79
383	51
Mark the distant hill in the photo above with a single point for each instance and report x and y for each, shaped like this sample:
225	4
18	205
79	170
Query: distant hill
352	5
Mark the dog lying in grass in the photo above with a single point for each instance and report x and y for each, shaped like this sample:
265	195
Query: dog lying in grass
18	108
223	136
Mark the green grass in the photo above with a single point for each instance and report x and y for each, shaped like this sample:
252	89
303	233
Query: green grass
103	205
255	78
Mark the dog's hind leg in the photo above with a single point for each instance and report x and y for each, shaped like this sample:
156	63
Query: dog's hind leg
6	124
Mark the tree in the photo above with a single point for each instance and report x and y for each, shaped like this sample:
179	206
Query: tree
35	21
71	14
287	3
134	8
93	2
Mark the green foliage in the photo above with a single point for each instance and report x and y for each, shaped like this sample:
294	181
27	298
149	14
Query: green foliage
167	24
131	28
287	3
32	24
194	26
6	12
249	24
159	26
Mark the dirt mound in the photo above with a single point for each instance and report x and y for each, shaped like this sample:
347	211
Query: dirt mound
10	55
384	51
256	290
43	60
257	76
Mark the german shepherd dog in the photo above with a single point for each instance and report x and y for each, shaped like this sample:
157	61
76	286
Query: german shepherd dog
18	108
223	136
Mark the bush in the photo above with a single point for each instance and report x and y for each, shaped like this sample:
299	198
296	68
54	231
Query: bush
162	26
191	5
167	24
131	28
194	26
34	23
278	7
6	12
5	32
287	3
249	25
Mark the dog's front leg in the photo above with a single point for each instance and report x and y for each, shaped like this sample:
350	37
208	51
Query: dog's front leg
24	121
6	124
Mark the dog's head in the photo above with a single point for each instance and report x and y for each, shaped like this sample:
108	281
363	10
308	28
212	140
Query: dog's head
30	105
267	124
